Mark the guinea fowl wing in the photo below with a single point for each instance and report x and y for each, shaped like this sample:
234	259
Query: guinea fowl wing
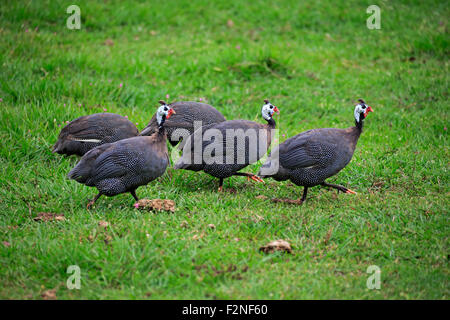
84	169
125	157
216	139
307	150
187	113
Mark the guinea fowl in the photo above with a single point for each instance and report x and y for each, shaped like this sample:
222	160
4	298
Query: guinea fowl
310	157
123	166
88	132
186	113
223	149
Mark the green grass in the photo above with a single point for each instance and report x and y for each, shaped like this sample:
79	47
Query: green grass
313	59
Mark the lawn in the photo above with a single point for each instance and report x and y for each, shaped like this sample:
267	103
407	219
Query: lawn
312	59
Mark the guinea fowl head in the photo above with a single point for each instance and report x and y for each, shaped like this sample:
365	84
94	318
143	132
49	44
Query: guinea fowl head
268	110
361	112
164	112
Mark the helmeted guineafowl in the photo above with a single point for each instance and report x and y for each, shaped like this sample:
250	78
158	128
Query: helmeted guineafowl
310	157
223	149
123	166
186	113
88	132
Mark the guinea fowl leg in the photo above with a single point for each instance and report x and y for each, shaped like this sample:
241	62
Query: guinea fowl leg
305	192
338	187
220	185
91	203
133	193
249	176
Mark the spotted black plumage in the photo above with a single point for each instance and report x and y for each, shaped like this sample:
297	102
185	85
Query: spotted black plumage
310	157
88	132
123	166
246	149
186	113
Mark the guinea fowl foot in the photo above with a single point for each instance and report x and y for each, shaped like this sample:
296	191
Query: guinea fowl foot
254	178
220	189
345	190
249	176
90	204
339	188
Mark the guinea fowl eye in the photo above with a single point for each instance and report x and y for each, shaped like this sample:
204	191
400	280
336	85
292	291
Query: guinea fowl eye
165	109
363	106
271	107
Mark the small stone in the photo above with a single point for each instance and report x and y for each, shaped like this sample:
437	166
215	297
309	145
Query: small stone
103	224
277	245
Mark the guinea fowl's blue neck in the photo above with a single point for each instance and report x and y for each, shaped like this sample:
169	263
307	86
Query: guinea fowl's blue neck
360	123
271	122
161	125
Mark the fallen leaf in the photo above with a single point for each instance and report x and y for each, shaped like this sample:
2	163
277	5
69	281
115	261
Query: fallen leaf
184	224
107	239
211	226
6	244
290	201
230	23
328	236
49	294
257	218
156	204
48	216
103	224
109	42
277	245
262	197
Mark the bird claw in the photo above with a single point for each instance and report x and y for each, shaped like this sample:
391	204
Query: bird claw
90	204
350	191
220	189
255	178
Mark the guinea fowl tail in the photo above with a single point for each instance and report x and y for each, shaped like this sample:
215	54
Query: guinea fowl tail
180	164
55	148
80	173
148	130
271	169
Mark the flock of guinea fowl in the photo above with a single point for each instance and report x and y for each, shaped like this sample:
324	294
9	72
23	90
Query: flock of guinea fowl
116	158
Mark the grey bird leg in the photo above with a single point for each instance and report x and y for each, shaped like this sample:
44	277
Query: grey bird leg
338	187
249	175
220	184
305	192
91	203
133	193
